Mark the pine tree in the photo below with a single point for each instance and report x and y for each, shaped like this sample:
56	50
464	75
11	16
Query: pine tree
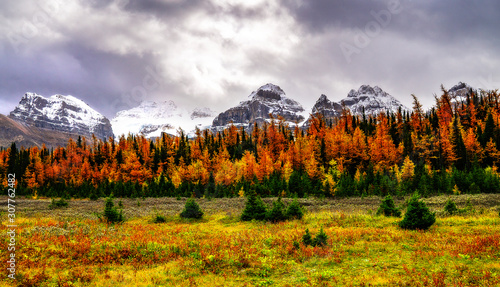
388	208
458	145
307	238
417	215
294	210
254	208
320	239
450	207
192	210
111	213
277	212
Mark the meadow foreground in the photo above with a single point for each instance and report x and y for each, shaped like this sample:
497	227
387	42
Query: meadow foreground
71	247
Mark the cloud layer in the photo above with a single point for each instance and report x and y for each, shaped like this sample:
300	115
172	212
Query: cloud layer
113	54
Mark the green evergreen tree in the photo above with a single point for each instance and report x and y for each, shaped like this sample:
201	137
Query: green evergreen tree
320	239
417	215
458	145
294	210
192	210
450	207
489	130
277	212
388	208
111	213
307	238
254	208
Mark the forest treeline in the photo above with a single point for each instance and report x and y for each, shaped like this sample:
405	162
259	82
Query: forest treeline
451	148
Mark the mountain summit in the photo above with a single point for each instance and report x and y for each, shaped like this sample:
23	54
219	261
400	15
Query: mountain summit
63	114
151	119
373	100
268	100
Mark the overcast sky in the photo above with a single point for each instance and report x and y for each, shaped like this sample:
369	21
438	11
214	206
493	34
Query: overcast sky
214	53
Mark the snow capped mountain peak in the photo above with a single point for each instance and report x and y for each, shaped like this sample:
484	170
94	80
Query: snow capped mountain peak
459	91
373	100
269	99
151	119
61	113
268	92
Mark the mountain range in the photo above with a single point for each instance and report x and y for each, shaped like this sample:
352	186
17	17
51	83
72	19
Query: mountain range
52	121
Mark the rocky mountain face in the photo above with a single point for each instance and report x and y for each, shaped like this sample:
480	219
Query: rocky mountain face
373	100
327	109
151	119
267	100
28	136
63	114
460	90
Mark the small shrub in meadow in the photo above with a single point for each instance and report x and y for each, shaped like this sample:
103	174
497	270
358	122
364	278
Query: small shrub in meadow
450	207
469	208
159	219
417	215
307	238
192	210
388	208
294	210
277	212
111	213
58	203
320	239
93	196
254	208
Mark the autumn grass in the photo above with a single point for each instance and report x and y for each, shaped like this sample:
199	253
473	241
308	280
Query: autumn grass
72	248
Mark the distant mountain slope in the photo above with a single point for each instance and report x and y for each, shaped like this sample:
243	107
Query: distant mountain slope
63	114
28	136
151	119
267	100
373	100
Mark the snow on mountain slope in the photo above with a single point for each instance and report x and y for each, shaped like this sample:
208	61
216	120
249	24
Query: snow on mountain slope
268	99
458	93
151	119
373	100
61	113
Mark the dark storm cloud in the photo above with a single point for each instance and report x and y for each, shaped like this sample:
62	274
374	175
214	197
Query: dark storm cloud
95	77
113	54
423	45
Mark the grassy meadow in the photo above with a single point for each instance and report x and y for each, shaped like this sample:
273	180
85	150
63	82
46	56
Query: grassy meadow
71	247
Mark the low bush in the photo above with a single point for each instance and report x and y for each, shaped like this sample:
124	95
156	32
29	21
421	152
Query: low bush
320	239
256	209
307	238
58	203
192	210
159	219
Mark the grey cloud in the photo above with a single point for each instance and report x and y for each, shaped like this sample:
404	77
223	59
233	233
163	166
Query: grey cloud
428	43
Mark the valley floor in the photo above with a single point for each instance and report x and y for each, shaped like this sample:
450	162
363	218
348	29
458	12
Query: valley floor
71	247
